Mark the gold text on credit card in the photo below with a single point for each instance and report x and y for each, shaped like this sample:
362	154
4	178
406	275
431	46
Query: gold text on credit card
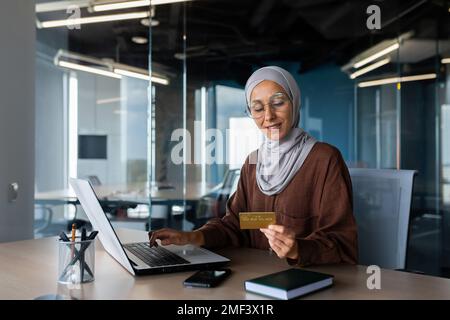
256	220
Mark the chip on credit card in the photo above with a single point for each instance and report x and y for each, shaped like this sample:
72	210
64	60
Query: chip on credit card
256	220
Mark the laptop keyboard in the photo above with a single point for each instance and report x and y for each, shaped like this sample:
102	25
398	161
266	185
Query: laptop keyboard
155	256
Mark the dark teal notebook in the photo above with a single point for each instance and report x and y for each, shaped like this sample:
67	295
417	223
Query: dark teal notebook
289	284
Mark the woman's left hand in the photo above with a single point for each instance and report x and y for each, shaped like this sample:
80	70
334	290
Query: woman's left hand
282	241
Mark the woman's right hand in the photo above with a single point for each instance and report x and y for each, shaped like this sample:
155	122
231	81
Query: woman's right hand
171	236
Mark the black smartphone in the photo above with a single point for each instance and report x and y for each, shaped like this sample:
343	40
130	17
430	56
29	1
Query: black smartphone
207	278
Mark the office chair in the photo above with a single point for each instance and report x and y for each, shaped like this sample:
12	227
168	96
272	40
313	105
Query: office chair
213	204
381	205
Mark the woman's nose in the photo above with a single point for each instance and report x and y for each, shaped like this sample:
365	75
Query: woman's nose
269	114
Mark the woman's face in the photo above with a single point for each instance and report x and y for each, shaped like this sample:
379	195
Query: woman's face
271	109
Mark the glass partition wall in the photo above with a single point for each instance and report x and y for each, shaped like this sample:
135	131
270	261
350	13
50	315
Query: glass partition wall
172	195
400	124
92	107
113	108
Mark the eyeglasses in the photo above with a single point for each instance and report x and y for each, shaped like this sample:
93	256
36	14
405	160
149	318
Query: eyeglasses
277	102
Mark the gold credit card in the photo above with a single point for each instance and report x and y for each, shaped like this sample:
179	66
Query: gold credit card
256	220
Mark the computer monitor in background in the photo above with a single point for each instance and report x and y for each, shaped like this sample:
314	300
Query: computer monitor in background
92	147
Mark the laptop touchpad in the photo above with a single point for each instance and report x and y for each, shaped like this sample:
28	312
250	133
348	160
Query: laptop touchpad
189	251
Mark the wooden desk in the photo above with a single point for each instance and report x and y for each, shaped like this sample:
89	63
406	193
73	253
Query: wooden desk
29	269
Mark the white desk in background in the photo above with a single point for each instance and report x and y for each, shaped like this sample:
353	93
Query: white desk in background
121	197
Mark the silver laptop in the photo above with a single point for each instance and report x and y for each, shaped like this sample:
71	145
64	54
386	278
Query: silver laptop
140	258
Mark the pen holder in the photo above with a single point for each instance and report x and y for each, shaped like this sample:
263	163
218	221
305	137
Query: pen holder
76	261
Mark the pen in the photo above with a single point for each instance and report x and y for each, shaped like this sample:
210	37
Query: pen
83	238
63	237
92	235
74	229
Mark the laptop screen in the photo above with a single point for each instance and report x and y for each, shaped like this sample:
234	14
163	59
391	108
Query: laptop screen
100	222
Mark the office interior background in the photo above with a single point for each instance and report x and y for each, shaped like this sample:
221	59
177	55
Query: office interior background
97	113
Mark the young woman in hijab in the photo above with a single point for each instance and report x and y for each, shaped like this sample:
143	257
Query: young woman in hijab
305	182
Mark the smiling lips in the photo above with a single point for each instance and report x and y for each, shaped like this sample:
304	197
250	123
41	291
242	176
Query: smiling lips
276	126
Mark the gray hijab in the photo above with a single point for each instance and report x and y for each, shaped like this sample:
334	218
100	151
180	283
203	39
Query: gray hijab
278	161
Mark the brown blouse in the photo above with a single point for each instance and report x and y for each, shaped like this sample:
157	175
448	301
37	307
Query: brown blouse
317	204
